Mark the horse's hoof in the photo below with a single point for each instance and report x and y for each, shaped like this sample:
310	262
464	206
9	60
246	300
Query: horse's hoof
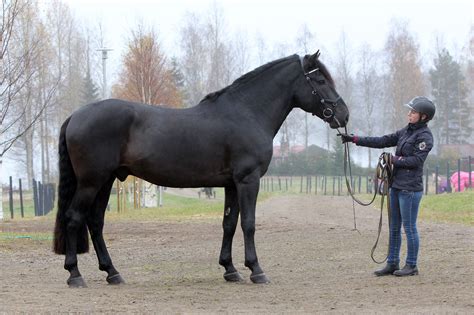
260	278
77	282
115	279
233	276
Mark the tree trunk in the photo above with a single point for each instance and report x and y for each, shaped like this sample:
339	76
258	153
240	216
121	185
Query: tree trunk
306	135
29	156
1	191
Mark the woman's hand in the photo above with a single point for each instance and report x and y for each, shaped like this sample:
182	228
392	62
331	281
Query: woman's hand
347	138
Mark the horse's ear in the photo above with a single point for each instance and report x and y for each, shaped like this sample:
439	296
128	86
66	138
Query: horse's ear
313	59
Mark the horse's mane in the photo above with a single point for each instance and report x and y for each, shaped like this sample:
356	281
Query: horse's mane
245	78
324	70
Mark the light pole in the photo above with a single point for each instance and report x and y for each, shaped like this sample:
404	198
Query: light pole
104	70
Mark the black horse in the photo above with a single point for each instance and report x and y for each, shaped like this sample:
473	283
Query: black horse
224	141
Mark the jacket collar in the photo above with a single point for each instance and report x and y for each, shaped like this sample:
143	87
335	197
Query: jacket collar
417	125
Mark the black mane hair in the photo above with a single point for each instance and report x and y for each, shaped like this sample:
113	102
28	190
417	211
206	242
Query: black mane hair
324	70
245	78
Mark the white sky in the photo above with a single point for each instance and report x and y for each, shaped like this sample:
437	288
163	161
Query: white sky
277	21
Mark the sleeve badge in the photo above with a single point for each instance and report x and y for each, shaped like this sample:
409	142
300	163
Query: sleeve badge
422	146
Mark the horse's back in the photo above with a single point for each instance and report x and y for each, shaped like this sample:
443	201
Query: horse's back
194	147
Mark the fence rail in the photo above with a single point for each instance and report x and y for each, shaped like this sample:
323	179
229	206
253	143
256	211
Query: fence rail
443	179
38	201
435	181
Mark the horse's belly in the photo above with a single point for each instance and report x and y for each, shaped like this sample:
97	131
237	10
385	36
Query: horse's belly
181	176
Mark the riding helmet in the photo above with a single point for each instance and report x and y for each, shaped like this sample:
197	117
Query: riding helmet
422	105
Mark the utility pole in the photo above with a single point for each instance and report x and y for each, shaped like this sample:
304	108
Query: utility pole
104	70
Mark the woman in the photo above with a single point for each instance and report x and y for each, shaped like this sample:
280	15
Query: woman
413	142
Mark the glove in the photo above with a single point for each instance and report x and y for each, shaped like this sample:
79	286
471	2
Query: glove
348	138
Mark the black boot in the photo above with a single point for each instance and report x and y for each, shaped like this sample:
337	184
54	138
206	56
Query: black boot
408	270
387	270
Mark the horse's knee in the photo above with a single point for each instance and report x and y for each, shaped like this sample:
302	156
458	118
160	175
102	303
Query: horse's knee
74	220
248	228
229	227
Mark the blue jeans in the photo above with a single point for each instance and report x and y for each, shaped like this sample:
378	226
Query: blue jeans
404	210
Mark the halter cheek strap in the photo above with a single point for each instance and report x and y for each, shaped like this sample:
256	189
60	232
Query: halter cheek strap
328	112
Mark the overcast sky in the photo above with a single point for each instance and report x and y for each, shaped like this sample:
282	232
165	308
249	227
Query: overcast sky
278	21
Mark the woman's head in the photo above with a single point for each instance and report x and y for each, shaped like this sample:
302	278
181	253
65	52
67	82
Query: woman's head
421	108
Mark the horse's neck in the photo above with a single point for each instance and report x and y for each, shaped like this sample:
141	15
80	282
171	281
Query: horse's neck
271	98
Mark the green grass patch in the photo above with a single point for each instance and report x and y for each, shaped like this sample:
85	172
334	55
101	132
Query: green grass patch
450	208
174	208
455	207
37	236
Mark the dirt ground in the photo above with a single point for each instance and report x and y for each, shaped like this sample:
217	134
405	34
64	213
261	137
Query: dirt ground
307	246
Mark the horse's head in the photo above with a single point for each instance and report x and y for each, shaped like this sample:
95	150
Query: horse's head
317	93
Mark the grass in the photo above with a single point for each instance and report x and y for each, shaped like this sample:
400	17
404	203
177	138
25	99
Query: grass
448	208
174	208
455	207
179	208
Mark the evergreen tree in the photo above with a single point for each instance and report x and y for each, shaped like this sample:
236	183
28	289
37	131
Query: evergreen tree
90	92
338	157
449	91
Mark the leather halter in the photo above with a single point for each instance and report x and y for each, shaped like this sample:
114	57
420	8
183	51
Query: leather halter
330	105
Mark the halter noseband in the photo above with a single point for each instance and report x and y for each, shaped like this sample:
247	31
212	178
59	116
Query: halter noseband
330	105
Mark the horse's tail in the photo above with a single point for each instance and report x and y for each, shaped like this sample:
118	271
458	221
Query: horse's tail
67	188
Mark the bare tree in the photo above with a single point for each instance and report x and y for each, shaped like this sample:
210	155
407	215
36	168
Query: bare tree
146	76
211	58
369	87
305	42
405	76
21	46
194	59
21	108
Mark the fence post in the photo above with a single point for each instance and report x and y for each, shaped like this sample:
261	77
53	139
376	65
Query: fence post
286	183
470	171
21	199
11	197
40	198
325	184
279	183
426	182
459	175
35	197
339	185
301	184
316	185
448	178
436	179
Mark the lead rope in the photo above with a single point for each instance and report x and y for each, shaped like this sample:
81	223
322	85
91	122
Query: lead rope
384	173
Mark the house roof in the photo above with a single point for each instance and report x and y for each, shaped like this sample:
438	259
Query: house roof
294	149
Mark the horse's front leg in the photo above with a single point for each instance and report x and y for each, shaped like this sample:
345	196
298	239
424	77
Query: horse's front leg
229	224
247	191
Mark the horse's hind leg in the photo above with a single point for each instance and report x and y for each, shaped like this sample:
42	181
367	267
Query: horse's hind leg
76	232
229	224
95	222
